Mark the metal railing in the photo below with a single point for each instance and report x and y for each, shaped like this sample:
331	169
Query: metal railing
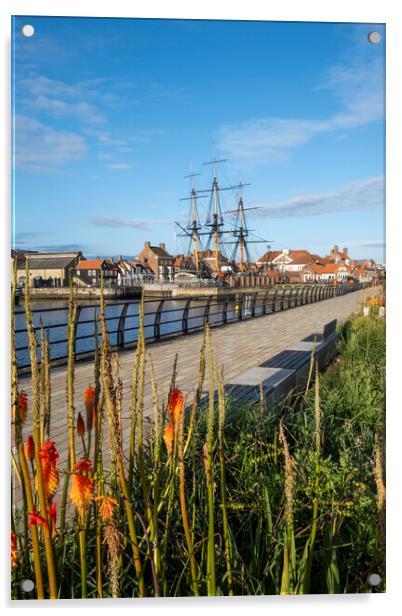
163	317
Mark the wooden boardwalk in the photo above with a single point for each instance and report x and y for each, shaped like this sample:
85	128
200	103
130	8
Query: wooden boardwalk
238	346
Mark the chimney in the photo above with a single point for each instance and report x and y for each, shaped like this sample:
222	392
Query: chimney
119	259
345	250
162	245
285	251
336	248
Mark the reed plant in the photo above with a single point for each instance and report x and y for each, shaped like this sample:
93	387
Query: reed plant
208	496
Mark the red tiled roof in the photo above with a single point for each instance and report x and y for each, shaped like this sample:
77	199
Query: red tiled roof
86	264
269	256
330	268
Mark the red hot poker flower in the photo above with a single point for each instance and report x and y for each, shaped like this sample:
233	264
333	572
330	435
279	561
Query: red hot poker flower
176	405
107	507
14	550
89	401
168	438
50	458
29	448
82	486
80	425
22	405
35	518
52	513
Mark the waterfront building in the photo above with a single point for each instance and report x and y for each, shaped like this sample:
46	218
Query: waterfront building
88	272
328	272
287	260
339	256
158	260
46	269
133	273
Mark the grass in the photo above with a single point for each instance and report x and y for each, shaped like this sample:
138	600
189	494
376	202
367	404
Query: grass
216	499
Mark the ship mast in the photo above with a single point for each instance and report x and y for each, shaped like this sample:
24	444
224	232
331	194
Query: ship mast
217	221
241	232
193	228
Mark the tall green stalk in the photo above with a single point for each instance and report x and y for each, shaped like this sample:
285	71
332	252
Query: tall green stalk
72	311
156	470
183	507
24	472
83	562
106	380
307	559
49	552
221	423
289	552
209	469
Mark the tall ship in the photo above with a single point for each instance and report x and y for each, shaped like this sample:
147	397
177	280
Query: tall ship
218	243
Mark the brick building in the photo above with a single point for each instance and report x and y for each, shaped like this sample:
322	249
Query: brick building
159	260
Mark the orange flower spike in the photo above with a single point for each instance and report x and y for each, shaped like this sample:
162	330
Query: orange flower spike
82	486
176	405
22	405
89	401
29	448
168	438
35	518
50	458
14	550
106	510
80	425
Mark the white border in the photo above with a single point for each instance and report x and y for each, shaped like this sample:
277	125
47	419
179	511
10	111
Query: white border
285	10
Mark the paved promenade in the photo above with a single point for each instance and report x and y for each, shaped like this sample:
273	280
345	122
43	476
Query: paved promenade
239	346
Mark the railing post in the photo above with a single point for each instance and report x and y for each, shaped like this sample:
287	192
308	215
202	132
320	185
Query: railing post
274	300
225	310
206	312
240	304
77	318
157	322
290	297
264	306
297	296
184	320
120	327
281	299
254	300
303	296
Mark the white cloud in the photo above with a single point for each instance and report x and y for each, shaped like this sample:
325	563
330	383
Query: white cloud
358	88
119	166
267	139
363	195
57	108
41	148
137	223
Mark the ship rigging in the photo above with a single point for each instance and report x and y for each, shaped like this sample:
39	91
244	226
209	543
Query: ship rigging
213	233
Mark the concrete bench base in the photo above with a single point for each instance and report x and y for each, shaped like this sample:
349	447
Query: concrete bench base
285	373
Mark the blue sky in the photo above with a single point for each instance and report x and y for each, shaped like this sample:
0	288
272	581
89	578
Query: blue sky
110	112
